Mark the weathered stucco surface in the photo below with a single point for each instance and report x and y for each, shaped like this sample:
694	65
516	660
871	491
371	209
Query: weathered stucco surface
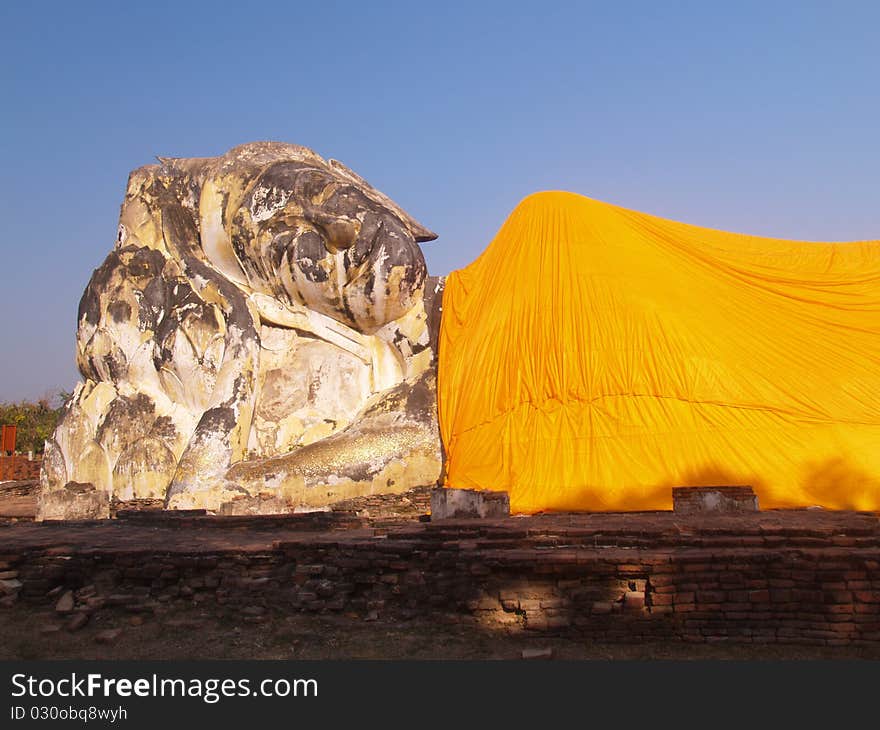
264	326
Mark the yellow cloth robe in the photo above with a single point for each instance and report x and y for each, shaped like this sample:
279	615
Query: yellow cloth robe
594	357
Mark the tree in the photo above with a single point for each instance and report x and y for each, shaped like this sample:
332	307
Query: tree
36	421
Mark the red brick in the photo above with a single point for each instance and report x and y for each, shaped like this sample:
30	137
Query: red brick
688	587
836	610
553	603
710	596
781	583
733	606
844	628
867	596
774	539
567	584
838	597
819	634
634	600
803	576
630	569
805	596
786	609
843	541
867	608
810	616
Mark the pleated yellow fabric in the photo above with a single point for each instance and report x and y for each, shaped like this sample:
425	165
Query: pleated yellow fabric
594	357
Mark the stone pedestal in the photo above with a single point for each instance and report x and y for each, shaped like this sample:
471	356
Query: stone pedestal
447	503
76	501
698	500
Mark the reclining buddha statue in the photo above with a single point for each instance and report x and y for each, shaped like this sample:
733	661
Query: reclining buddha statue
263	325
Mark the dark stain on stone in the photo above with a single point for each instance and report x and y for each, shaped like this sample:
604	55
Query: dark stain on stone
129	418
349	317
280	245
241	386
301	178
217	420
360	250
178	306
163	429
422	398
90	303
369	285
238	245
347	201
154	303
310	250
433	299
358	472
117	364
119	311
146	262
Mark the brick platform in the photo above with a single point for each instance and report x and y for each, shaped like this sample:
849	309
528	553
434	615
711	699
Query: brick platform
18	500
803	576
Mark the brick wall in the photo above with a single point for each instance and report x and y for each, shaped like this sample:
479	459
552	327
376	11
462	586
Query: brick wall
786	577
19	467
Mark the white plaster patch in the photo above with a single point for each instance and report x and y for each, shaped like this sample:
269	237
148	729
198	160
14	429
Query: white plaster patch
267	201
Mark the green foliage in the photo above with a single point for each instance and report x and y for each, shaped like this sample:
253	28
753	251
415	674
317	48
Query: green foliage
35	421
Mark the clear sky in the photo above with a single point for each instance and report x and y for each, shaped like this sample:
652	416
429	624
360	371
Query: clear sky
758	117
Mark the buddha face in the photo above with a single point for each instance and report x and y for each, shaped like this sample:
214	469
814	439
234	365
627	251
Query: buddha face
315	234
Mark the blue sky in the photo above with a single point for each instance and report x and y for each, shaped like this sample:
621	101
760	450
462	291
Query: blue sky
757	117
